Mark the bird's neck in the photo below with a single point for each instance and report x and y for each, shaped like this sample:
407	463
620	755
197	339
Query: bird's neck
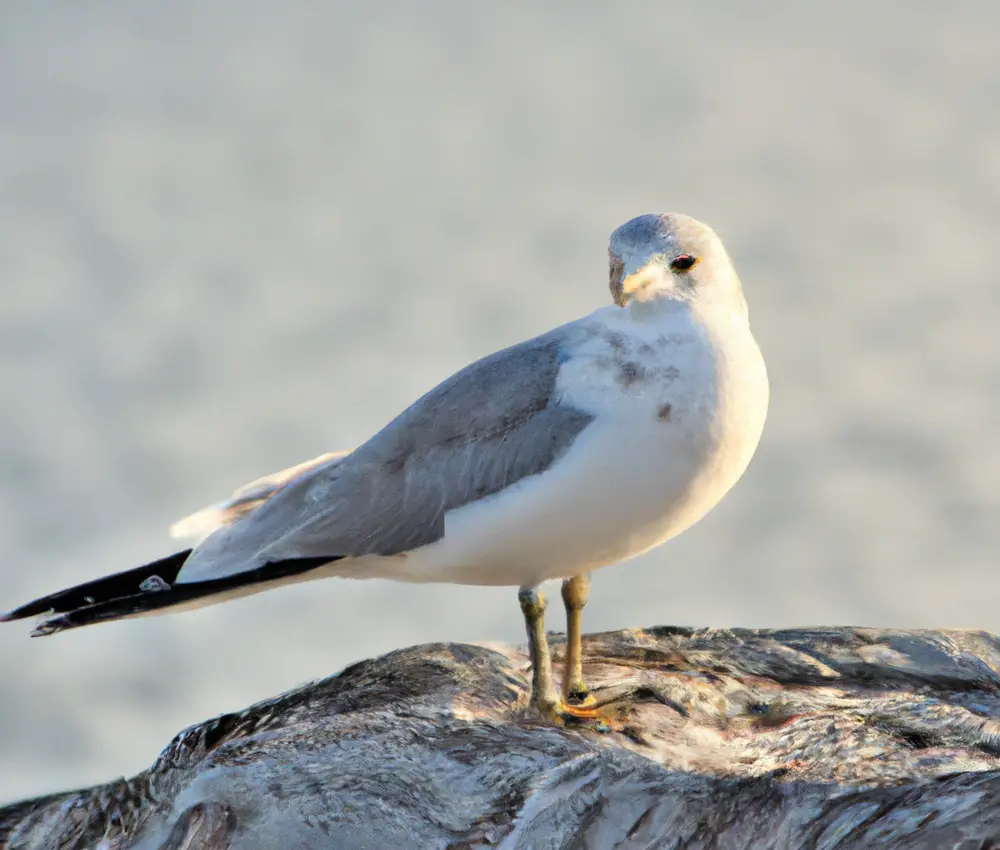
667	310
657	308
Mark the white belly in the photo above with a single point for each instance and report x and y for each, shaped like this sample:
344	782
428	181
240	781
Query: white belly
665	446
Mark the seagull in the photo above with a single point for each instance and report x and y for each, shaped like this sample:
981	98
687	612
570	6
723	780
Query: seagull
571	451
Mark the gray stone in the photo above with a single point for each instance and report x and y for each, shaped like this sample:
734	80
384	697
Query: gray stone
826	738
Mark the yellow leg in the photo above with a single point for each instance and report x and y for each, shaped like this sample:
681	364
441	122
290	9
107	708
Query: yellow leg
543	690
575	592
544	696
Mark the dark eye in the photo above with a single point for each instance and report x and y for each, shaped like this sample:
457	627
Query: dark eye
683	262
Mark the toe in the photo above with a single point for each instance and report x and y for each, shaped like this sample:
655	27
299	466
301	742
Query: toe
579	711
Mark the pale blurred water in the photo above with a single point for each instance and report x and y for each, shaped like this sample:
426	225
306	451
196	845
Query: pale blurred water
234	235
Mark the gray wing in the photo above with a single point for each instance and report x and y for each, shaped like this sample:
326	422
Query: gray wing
487	427
250	496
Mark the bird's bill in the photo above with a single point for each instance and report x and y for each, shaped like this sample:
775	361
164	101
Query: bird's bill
638	279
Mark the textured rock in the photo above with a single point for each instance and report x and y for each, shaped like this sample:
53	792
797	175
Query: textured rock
825	738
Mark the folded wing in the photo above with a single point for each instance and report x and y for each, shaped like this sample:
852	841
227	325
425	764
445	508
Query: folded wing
490	425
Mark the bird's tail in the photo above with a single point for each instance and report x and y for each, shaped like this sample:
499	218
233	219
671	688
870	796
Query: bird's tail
147	589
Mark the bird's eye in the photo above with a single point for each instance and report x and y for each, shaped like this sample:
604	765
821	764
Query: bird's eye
683	262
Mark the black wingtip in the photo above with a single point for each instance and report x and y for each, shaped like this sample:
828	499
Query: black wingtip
114	586
49	627
27	610
154	593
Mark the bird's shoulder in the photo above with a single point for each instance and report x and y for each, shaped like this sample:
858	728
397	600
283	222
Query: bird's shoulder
485	399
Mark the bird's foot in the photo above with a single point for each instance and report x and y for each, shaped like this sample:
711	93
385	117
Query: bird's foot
564	713
601	713
579	701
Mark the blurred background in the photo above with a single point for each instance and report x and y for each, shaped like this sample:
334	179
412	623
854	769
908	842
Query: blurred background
235	235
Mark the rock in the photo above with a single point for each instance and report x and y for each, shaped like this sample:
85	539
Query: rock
826	738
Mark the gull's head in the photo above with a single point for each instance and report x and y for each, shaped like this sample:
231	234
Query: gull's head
670	257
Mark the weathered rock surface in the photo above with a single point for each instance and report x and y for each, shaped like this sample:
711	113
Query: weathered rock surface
821	738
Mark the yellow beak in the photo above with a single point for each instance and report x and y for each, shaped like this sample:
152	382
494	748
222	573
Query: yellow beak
637	280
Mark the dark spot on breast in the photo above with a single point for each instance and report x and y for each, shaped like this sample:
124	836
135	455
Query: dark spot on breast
615	341
663	414
629	372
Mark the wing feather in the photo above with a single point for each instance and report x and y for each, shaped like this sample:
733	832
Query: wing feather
487	427
243	500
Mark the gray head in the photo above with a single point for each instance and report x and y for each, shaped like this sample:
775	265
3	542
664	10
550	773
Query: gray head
670	256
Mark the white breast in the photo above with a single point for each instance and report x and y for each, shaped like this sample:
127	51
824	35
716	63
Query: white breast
679	406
